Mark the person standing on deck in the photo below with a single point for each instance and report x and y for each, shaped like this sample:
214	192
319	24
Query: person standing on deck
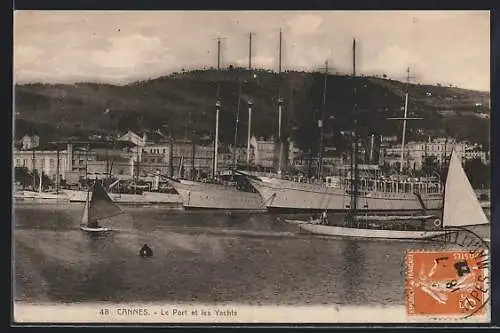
324	217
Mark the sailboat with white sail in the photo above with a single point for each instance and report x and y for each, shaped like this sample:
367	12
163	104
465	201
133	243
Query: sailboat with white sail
98	206
461	208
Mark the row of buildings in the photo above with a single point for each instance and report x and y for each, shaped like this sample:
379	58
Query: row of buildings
132	155
415	153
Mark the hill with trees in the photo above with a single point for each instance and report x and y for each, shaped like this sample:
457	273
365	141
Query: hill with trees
183	105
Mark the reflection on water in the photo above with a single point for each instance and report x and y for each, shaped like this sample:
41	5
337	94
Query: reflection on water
199	257
353	268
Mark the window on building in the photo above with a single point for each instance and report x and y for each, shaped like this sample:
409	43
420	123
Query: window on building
164	150
80	162
18	162
51	162
24	162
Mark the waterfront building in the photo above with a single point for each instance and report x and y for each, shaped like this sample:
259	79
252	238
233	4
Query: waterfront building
440	148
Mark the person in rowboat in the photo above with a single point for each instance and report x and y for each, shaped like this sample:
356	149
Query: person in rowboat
146	251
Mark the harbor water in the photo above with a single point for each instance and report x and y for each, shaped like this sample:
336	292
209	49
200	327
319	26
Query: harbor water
200	256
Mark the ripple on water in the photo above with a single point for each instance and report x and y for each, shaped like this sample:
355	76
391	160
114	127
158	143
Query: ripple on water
199	257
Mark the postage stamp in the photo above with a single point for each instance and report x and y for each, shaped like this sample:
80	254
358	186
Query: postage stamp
447	283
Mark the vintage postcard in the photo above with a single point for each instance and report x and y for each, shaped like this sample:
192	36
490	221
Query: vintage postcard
251	167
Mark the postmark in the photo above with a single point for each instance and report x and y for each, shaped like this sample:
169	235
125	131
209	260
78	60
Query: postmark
449	283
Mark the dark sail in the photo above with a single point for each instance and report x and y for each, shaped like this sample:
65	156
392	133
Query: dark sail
101	206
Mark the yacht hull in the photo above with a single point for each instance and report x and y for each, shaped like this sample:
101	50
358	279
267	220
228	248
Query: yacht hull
287	196
198	195
327	230
98	229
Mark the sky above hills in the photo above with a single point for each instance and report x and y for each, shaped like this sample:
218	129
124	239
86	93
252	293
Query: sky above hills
446	47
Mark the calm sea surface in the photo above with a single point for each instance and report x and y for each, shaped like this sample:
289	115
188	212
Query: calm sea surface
203	256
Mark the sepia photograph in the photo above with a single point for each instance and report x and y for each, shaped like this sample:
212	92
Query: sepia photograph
251	167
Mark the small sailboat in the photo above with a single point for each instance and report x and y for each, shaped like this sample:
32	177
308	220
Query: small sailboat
461	208
98	206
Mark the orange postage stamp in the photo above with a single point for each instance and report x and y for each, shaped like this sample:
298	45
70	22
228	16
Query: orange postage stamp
446	283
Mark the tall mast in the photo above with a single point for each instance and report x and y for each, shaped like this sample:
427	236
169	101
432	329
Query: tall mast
57	169
236	126
250	51
321	125
238	110
170	156
193	155
33	165
216	143
217	111
107	163
87	162
249	130
113	145
354	57
218	53
404	119
354	162
280	108
279	63
193	146
138	166
249	101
